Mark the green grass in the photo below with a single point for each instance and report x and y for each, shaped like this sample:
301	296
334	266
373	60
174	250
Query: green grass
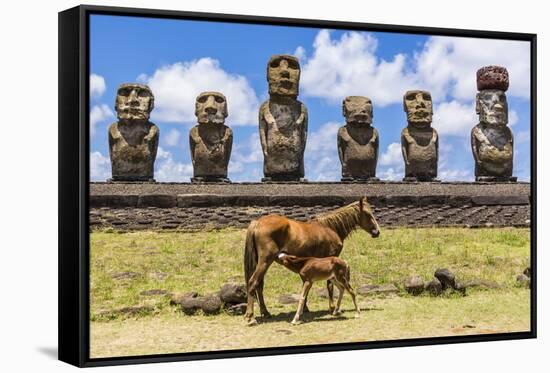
204	261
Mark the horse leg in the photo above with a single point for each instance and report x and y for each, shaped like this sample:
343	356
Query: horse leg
306	308
260	293
330	290
303	296
340	287
255	279
352	293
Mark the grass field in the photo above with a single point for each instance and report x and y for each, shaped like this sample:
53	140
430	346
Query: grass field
123	265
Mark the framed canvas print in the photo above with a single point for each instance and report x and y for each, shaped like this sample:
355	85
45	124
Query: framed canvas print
237	185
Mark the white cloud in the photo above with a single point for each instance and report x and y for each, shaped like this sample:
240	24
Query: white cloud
349	66
172	138
249	151
97	86
448	65
391	173
177	86
167	169
100	167
300	53
99	113
455	118
392	156
321	156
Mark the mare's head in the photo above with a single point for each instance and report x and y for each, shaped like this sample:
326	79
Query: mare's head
366	218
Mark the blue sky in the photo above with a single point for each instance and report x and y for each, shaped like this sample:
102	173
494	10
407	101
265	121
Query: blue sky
179	59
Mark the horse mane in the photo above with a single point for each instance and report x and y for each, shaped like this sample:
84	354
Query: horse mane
343	220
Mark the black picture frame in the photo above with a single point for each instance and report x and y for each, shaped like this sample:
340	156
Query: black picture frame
73	254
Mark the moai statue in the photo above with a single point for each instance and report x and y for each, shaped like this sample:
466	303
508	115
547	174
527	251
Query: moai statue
492	139
210	140
358	140
283	122
419	141
133	140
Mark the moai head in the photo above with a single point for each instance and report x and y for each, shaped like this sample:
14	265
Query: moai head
283	75
357	110
418	106
134	101
211	108
491	103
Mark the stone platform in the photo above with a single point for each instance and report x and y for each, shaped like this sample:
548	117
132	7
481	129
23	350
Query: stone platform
185	206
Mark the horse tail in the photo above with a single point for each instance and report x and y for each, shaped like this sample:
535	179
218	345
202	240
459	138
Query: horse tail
250	252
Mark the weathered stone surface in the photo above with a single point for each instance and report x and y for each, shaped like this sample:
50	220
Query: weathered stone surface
133	139
211	304
289	298
233	293
492	139
157	200
177	297
414	285
500	200
446	277
419	141
236	309
492	77
113	200
524	280
283	122
210	141
481	284
434	287
366	290
358	141
191	305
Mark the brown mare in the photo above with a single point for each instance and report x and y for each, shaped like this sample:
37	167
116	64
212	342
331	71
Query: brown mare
312	269
320	237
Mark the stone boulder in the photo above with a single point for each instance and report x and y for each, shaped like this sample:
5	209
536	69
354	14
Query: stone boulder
233	293
434	287
211	304
235	309
414	285
446	277
523	281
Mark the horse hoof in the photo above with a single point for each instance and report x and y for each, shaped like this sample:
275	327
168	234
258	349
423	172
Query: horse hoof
336	313
295	322
357	315
252	322
266	315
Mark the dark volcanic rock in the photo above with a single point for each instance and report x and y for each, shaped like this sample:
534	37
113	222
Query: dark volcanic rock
211	304
236	309
233	293
190	305
176	298
524	281
125	275
434	287
414	285
482	284
446	277
527	272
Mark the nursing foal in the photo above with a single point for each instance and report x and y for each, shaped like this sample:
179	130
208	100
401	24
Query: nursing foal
313	269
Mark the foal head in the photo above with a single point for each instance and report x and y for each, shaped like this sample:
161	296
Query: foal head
366	218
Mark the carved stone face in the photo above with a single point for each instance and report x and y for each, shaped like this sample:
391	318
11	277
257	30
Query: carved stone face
134	102
418	106
492	107
211	107
283	75
357	109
